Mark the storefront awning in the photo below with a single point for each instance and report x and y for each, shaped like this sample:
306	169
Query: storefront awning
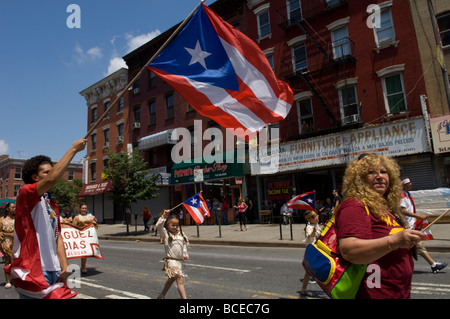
227	167
155	140
96	188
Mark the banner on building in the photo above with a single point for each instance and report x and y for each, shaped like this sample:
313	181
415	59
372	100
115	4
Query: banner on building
81	242
440	131
397	138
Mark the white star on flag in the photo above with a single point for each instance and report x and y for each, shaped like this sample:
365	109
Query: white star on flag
194	201
198	55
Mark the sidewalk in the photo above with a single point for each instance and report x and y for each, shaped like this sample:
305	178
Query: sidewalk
264	235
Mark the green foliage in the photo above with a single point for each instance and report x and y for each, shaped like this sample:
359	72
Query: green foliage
131	181
66	193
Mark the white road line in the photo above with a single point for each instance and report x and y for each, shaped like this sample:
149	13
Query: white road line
117	291
218	268
117	297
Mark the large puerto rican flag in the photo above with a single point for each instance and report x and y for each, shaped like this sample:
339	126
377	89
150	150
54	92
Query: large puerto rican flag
306	201
197	208
223	74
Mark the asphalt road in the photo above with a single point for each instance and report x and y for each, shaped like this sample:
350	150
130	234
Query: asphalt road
132	270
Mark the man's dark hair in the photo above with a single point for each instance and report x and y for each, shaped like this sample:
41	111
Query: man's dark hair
31	167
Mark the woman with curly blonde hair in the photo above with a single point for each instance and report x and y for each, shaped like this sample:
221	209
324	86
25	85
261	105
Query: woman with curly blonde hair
370	229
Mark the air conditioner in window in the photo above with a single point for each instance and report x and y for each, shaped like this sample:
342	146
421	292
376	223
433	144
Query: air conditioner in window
119	139
136	90
106	145
351	119
136	125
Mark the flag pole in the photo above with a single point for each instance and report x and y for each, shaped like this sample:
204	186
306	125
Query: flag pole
172	36
429	225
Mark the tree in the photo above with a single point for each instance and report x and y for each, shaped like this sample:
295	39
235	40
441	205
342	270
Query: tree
66	193
130	179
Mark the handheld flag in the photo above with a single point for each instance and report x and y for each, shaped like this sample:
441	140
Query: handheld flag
306	201
197	208
223	74
422	224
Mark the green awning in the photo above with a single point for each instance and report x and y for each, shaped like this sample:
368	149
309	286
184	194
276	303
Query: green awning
213	168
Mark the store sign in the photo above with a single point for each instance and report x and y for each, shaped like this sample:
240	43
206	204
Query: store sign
440	131
391	139
182	174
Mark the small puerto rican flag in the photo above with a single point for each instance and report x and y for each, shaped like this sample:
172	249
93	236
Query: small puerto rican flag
421	224
306	201
196	206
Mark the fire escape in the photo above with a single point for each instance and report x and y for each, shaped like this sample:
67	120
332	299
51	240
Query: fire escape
333	61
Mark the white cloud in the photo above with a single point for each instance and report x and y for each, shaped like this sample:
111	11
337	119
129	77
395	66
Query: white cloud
82	56
3	147
115	64
134	42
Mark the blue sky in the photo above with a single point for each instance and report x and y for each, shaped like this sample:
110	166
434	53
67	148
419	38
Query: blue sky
45	64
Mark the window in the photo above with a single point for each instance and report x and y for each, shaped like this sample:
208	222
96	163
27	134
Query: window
16	190
120	129
305	116
385	33
106	105
71	175
106	137
94	141
93	167
394	93
299	57
341	42
94	114
137	114
151	79
18	173
444	28
169	106
294	11
263	19
120	105
349	105
152	112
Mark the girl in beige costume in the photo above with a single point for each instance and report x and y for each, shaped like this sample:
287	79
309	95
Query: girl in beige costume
175	243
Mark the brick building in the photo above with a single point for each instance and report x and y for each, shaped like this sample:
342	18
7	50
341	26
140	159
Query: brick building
112	133
11	175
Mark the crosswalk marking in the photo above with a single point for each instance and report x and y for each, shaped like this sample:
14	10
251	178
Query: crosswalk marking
129	295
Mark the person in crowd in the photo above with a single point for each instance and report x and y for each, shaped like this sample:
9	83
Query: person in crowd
251	210
216	208
286	214
337	200
38	245
325	211
242	208
409	211
81	220
312	232
224	210
371	230
176	244
146	216
6	237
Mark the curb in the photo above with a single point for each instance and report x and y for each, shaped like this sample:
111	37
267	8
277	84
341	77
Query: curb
211	242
